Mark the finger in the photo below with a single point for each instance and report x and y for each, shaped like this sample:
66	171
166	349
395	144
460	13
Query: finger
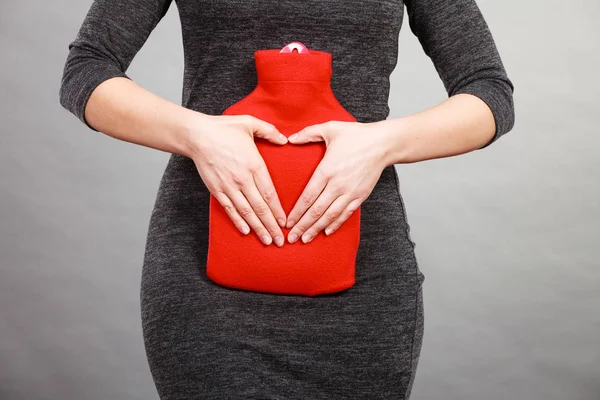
347	213
313	189
313	133
265	130
263	212
332	214
267	190
316	211
247	212
232	212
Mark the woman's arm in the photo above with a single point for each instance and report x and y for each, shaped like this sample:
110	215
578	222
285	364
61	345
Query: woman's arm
126	111
458	125
109	38
480	109
95	88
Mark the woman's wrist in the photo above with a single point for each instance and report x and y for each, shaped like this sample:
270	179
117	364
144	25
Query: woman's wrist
392	141
191	125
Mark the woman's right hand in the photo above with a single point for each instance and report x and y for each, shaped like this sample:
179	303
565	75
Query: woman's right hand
233	170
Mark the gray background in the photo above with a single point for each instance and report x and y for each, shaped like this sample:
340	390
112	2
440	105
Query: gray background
507	237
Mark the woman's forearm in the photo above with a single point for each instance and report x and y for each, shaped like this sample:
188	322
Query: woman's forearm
460	124
124	110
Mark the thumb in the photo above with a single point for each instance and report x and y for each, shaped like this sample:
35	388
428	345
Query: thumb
267	131
313	133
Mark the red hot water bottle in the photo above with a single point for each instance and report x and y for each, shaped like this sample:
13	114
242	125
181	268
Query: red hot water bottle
293	92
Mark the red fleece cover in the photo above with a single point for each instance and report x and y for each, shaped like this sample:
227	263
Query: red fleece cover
293	92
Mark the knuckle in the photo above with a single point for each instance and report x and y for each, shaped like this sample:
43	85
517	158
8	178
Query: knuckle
269	127
331	217
261	209
238	178
254	167
247	119
337	187
246	212
353	206
307	199
331	125
308	131
327	173
269	195
220	195
349	211
229	209
361	196
316	212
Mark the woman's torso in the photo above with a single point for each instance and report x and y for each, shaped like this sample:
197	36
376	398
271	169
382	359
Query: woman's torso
206	342
220	38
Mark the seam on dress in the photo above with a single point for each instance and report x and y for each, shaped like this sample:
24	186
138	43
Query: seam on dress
412	349
414	257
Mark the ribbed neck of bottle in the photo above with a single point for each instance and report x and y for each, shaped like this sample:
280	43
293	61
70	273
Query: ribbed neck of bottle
271	65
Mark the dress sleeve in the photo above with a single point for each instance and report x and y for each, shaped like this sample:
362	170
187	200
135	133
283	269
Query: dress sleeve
456	37
112	33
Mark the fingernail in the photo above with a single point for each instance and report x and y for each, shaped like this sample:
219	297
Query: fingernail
279	241
281	222
293	137
245	230
266	239
292	238
290	223
328	231
282	137
307	238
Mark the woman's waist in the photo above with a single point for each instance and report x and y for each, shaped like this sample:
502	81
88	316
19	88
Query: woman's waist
182	188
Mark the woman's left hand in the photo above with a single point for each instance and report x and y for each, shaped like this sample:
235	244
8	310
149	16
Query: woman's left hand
353	162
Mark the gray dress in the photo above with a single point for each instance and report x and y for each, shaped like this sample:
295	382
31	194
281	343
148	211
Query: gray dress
204	341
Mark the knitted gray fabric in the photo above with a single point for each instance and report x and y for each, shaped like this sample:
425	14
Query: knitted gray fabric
204	341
